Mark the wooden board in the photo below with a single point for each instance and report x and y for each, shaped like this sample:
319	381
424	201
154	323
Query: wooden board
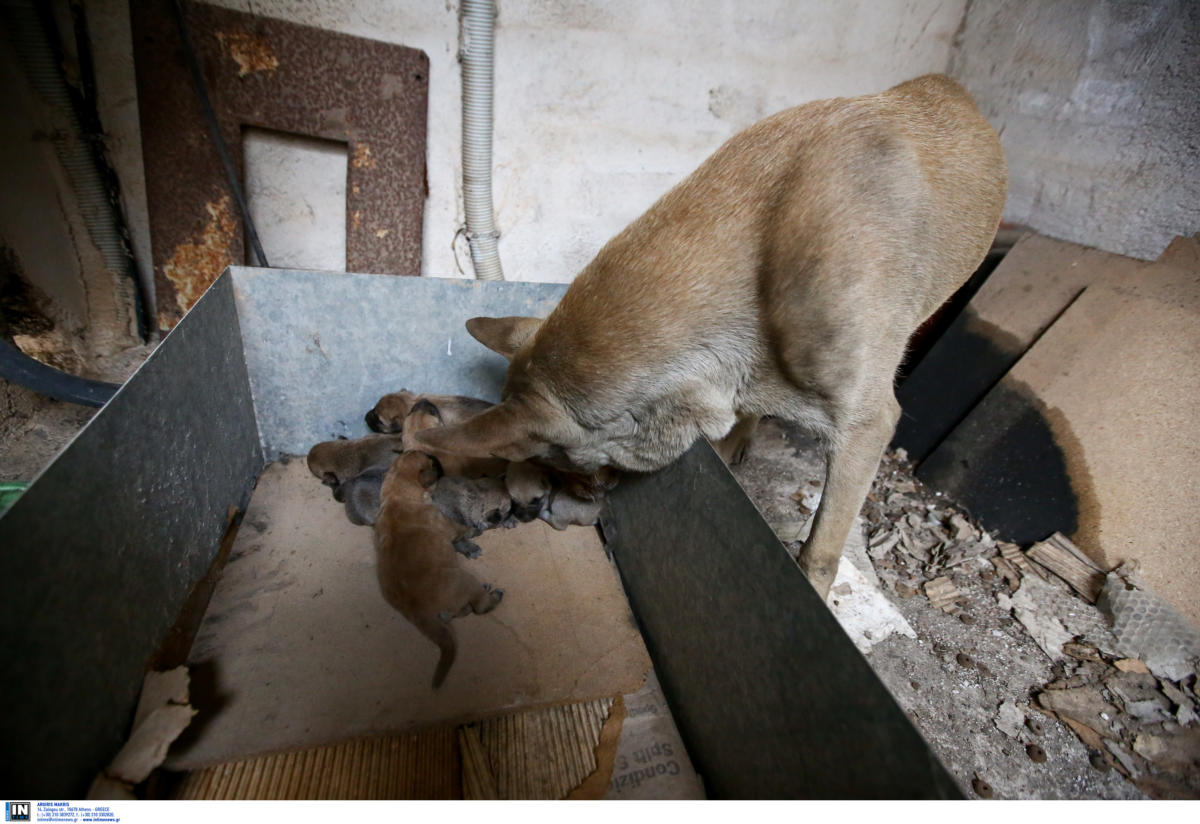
1031	287
1106	402
415	766
298	648
550	753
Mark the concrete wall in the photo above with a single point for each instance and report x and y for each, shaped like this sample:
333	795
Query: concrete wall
602	105
1098	105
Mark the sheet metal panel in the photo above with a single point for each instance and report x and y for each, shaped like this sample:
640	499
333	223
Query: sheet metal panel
98	554
772	698
322	348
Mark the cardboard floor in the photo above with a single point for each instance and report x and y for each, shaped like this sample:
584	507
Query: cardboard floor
298	648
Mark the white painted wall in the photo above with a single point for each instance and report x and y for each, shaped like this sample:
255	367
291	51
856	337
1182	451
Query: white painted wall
602	105
296	194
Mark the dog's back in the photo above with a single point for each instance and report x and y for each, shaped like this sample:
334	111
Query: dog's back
822	232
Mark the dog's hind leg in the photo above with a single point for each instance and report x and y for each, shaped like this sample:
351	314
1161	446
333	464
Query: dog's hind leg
437	629
852	461
734	446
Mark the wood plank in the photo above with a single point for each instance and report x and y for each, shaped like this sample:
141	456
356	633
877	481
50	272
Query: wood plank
1065	560
1031	287
1094	432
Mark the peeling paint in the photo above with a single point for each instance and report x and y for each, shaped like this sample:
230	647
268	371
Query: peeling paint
250	51
363	159
194	266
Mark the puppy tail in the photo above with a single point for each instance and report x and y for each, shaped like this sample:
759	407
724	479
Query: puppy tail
439	631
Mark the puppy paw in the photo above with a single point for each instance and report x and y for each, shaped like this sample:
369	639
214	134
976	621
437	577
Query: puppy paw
497	594
467	547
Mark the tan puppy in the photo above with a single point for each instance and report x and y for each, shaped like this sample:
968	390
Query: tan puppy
425	415
339	461
418	569
389	413
783	277
529	488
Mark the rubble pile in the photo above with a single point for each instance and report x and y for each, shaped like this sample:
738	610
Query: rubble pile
1139	717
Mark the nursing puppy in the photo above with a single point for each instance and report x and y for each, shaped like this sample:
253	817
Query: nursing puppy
389	413
478	504
566	510
360	496
336	462
529	488
783	277
418	569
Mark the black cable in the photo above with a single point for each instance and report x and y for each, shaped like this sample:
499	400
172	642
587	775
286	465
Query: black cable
189	57
17	367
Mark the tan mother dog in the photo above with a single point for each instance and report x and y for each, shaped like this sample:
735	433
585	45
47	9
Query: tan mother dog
783	277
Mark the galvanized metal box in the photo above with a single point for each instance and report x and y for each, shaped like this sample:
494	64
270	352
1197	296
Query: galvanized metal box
97	557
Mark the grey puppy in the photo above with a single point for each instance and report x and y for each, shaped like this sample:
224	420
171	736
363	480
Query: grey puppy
566	510
478	504
360	496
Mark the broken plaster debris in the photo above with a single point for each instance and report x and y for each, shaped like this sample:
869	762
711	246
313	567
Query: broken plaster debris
1010	719
971	678
1055	617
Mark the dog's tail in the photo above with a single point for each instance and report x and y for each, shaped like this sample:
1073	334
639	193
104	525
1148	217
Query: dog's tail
438	630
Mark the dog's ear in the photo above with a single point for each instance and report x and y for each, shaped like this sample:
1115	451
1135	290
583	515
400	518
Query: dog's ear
504	336
504	431
431	472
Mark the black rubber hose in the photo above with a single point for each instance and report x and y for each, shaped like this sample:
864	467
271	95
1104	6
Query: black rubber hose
17	367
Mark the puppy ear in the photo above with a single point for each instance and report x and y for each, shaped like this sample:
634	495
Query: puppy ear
504	336
431	472
504	431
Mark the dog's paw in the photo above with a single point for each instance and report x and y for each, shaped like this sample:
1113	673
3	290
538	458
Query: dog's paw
467	547
496	594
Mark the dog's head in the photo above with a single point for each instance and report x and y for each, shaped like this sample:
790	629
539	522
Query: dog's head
529	488
416	468
532	423
340	461
327	462
389	413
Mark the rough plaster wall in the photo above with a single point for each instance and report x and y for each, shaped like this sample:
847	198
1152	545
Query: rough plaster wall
1099	111
41	222
116	103
602	105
